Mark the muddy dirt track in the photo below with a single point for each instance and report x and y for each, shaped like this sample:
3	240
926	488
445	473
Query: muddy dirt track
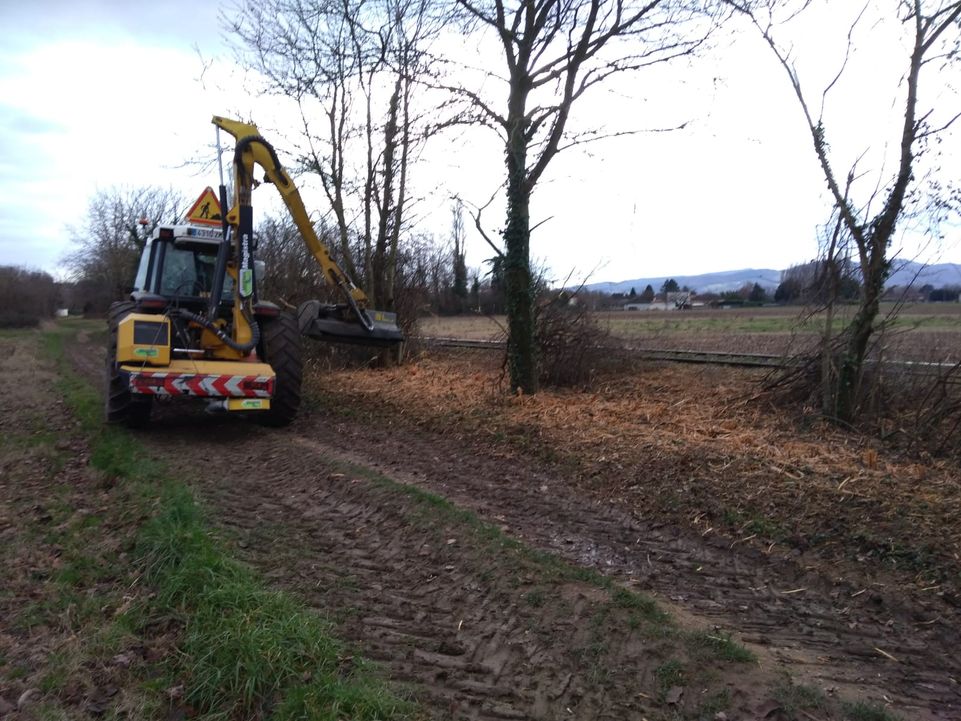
475	640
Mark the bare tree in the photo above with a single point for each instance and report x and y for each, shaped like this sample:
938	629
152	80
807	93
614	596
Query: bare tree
554	53
931	30
459	264
292	275
107	247
350	67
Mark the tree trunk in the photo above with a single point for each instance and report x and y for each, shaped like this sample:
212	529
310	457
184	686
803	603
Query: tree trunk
385	205
398	214
369	184
859	333
519	292
828	388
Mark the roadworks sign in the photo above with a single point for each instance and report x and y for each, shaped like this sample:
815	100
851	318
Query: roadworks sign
206	211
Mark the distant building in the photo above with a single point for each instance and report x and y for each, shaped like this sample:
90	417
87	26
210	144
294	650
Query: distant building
897	293
681	300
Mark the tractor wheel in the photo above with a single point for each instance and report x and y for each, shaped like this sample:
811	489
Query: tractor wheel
122	406
282	349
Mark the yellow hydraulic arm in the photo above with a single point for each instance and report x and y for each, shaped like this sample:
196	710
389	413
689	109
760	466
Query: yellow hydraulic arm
253	149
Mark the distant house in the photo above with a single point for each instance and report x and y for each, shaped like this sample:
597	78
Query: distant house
682	300
897	293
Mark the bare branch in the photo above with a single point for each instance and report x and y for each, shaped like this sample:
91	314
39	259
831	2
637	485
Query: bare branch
844	63
940	129
476	215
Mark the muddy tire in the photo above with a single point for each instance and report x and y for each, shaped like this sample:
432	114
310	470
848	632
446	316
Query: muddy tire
282	349
121	406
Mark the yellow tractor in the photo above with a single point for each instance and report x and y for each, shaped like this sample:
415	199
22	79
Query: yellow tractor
194	325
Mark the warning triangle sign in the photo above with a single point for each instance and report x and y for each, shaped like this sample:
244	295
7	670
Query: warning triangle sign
206	211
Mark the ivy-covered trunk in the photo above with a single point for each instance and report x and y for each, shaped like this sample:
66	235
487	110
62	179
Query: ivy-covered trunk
518	284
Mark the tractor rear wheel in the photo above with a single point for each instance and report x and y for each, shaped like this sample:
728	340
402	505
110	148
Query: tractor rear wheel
122	406
281	347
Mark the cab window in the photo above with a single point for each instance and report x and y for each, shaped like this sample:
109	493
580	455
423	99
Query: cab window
190	273
141	281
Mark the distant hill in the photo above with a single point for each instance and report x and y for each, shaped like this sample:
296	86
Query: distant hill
916	274
904	273
705	283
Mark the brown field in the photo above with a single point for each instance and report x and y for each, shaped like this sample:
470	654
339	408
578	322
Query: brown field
920	332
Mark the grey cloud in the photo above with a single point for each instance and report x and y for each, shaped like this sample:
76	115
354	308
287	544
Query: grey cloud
181	22
18	120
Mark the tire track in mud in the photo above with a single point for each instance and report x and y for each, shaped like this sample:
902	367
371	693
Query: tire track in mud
308	528
464	622
832	633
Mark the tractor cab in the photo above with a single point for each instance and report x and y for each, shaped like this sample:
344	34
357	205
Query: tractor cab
178	264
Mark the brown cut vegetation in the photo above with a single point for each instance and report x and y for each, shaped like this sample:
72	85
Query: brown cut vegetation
692	444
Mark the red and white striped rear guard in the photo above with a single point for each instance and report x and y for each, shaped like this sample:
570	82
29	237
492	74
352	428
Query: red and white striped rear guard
159	383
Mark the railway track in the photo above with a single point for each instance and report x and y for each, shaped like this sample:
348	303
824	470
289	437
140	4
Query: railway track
674	355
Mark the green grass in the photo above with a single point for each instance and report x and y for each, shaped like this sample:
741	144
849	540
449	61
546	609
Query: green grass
668	674
775	320
535	598
244	650
798	697
782	320
248	648
714	703
867	711
640	605
750	521
718	645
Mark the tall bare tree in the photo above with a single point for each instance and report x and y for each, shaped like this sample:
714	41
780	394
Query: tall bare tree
868	221
349	66
107	246
554	53
458	236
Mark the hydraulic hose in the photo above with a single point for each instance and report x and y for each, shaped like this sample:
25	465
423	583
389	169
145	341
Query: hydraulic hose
243	144
217	331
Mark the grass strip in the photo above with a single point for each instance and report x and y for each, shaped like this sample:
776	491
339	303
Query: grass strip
249	649
244	651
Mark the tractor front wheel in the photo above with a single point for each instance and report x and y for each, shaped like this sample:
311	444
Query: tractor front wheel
122	406
281	347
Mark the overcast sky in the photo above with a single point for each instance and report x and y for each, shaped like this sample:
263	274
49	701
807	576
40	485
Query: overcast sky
96	94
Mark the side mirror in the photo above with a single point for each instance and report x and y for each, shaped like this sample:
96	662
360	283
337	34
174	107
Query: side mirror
260	270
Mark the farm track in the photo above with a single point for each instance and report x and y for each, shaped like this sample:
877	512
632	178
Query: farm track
443	620
825	634
447	620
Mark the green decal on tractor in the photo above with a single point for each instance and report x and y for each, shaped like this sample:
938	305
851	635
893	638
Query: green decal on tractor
246	283
146	352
